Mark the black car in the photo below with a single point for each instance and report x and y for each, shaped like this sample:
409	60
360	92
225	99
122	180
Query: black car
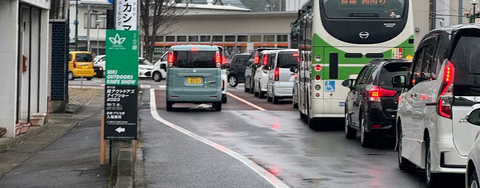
371	104
236	70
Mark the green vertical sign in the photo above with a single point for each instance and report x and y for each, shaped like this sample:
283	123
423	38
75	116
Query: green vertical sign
121	57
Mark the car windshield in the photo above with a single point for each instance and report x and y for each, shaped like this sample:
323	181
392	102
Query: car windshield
287	59
390	70
363	9
197	59
83	57
467	68
144	62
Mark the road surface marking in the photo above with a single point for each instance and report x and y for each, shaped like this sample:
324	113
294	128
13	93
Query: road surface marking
272	179
145	86
246	102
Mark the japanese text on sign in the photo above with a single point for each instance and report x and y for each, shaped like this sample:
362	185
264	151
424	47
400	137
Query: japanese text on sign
364	2
126	18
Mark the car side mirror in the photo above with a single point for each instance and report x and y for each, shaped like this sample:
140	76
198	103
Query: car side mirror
473	116
347	83
398	81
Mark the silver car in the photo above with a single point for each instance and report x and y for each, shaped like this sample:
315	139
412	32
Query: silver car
281	78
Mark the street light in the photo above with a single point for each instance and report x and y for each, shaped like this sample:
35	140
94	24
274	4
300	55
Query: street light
88	27
97	23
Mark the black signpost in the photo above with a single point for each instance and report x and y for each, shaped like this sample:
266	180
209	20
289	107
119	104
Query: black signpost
121	112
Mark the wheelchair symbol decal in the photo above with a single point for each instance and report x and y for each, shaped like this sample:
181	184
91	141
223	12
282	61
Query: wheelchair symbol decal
329	86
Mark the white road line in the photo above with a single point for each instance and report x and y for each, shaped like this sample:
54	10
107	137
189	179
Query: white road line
246	102
145	86
272	179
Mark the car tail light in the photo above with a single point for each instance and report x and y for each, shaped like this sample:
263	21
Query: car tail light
318	67
224	61
375	126
265	60
74	63
218	59
276	74
257	59
171	58
194	49
376	92
445	100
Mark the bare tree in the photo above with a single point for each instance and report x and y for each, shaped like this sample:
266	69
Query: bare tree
156	17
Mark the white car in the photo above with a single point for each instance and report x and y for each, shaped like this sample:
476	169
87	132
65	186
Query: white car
440	89
145	68
159	71
281	78
223	58
472	176
261	75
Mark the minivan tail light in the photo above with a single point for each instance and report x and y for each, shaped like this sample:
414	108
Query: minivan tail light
74	63
257	59
376	92
218	59
170	59
265	60
444	104
276	74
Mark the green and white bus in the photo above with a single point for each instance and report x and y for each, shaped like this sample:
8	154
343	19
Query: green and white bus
335	39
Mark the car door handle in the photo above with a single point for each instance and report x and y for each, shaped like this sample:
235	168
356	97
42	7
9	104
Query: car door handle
212	82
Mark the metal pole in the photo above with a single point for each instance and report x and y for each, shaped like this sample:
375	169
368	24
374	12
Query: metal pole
88	30
460	12
474	16
76	25
98	37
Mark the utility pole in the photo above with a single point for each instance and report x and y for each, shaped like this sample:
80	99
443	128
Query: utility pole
76	25
474	2
460	12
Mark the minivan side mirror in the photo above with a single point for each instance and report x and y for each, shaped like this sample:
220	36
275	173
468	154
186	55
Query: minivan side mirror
163	66
398	81
473	116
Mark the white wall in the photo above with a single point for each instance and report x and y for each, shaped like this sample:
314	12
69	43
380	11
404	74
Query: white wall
8	52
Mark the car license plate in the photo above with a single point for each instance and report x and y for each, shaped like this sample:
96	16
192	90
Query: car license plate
194	80
341	104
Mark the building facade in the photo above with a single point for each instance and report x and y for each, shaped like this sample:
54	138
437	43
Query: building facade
25	61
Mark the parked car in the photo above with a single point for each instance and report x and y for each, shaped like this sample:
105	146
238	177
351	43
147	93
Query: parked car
251	68
99	66
281	78
472	176
80	64
261	75
371	104
236	69
194	76
431	129
159	71
145	68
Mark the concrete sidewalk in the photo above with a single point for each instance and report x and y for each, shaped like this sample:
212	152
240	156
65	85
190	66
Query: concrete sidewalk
65	152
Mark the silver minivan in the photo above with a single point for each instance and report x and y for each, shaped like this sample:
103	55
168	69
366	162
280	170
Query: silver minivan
280	80
194	75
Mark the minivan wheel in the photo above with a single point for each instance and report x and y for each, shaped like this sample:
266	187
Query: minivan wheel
224	98
430	177
157	76
70	76
350	133
232	80
473	182
169	106
365	138
217	106
403	163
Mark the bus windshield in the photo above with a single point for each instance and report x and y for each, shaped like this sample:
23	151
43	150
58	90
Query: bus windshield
364	8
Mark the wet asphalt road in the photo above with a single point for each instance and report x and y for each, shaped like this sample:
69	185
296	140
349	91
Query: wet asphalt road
275	139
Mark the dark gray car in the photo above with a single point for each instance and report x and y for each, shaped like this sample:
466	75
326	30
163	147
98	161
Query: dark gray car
236	71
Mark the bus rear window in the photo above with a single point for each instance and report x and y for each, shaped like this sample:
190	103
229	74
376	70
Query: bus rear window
467	68
194	59
362	9
287	59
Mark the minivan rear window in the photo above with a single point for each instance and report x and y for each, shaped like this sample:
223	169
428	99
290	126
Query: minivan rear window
83	57
390	70
194	59
287	59
466	61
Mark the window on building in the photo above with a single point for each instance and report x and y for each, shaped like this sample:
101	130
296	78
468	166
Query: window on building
230	38
181	38
282	38
269	38
93	18
255	38
205	38
242	38
192	38
217	38
170	39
